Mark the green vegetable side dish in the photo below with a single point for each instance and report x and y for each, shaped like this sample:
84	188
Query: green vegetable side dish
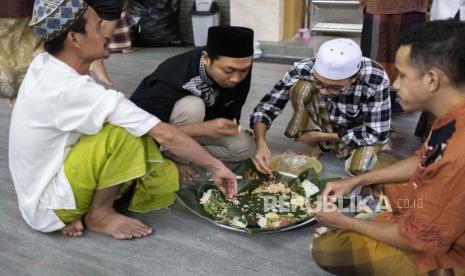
261	205
216	204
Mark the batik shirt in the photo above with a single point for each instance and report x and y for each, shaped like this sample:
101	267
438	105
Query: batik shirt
434	223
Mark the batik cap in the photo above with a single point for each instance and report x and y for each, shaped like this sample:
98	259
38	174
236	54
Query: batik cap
52	17
338	59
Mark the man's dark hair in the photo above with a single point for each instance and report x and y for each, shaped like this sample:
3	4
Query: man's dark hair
439	44
212	55
56	45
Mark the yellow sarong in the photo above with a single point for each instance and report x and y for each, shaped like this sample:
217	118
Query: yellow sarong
113	157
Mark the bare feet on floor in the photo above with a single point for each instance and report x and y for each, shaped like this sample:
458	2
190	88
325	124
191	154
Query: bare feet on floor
116	225
128	50
11	102
311	145
73	229
186	172
98	68
312	151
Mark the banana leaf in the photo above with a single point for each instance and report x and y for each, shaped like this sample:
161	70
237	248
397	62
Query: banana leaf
190	198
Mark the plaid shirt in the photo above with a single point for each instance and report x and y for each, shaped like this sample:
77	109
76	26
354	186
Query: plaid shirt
363	112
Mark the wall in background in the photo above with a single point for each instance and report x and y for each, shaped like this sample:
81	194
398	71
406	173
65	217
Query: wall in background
265	17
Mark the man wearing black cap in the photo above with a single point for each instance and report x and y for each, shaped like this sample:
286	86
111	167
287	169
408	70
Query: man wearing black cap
202	93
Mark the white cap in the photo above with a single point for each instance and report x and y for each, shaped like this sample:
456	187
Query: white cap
338	59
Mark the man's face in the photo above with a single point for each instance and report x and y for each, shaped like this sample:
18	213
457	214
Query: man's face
412	93
93	44
331	88
227	72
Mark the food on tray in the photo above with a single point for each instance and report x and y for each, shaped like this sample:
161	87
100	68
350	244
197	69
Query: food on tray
251	174
293	163
214	203
263	203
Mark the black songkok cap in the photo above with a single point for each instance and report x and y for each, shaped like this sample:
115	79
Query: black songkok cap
230	41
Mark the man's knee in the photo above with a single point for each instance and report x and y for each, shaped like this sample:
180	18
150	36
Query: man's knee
362	159
189	109
120	137
233	149
331	251
109	140
242	147
245	146
322	249
301	93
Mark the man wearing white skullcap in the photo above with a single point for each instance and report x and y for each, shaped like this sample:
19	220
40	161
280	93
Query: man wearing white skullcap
341	103
76	146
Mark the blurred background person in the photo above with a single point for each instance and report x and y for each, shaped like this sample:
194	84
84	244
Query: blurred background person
383	21
121	39
18	46
109	11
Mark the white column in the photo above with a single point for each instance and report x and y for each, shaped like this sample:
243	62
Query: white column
265	17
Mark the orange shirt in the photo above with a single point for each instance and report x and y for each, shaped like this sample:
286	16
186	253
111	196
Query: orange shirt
435	226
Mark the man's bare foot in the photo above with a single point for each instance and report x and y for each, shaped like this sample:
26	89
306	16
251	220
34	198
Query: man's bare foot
116	225
11	102
186	172
312	151
98	68
311	145
128	50
73	229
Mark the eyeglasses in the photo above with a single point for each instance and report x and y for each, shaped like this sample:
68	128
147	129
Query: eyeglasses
333	89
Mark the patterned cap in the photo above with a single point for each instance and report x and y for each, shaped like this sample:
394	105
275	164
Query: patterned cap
52	17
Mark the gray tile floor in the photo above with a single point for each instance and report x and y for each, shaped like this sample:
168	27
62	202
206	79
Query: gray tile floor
182	244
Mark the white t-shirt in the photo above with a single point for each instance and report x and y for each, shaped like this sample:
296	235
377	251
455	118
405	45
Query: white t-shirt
55	106
444	9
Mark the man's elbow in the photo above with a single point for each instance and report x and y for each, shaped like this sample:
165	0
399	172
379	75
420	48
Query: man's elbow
163	133
436	250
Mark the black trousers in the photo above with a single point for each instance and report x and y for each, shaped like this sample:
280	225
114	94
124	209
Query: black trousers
107	9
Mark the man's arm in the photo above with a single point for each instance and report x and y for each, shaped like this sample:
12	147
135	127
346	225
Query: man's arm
262	156
384	232
215	128
273	103
270	106
314	137
185	147
399	172
387	233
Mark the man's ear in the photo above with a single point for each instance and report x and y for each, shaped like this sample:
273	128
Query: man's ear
432	80
206	58
73	39
354	78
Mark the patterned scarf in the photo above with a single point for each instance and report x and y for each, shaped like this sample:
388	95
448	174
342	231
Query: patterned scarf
202	86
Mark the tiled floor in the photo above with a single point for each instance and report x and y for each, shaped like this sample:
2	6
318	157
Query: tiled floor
183	244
